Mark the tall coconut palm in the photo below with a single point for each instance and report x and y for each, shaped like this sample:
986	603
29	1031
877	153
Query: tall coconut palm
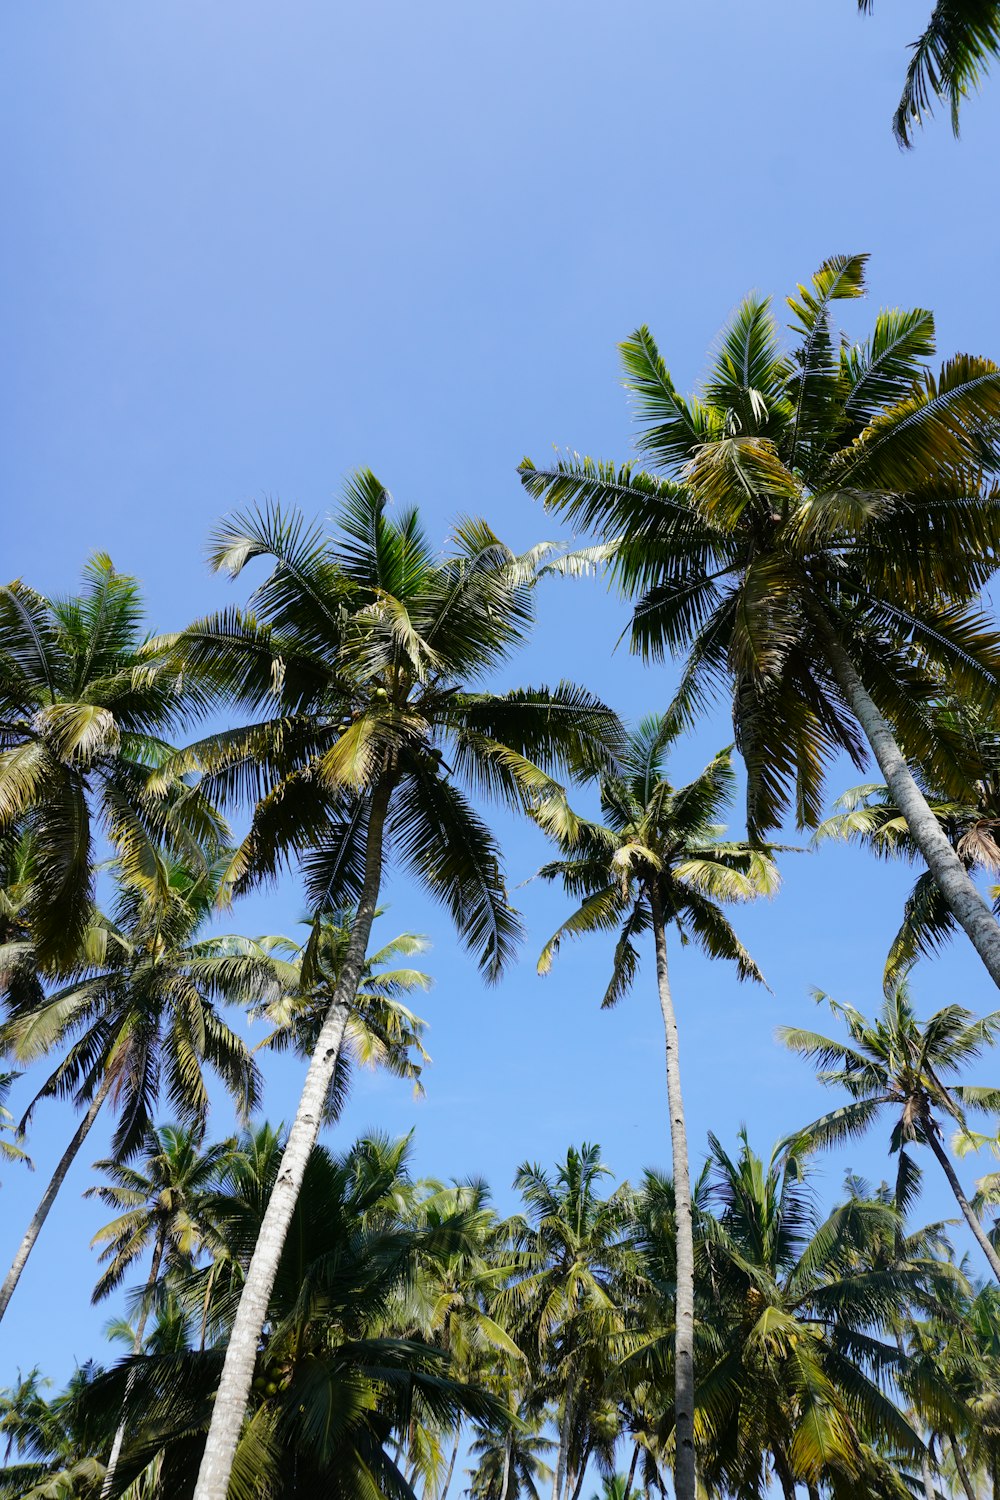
816	544
567	1302
657	862
143	1013
84	708
903	1069
510	1462
361	654
949	60
164	1207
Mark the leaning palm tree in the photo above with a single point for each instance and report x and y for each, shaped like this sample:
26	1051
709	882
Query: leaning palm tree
142	1011
816	544
949	60
165	1206
84	708
659	861
898	1067
359	655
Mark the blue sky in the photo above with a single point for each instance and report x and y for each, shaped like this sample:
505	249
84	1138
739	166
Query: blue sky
247	248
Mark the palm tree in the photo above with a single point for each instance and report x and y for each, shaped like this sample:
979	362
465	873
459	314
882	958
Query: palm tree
868	816
510	1462
164	1206
142	1010
794	1378
949	59
659	861
84	707
332	1385
566	1303
361	651
381	1031
817	545
56	1458
902	1068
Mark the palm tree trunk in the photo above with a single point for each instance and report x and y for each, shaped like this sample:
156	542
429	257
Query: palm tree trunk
962	1471
565	1425
950	875
684	1460
631	1473
241	1353
928	1478
116	1446
507	1447
49	1196
579	1478
969	1213
451	1465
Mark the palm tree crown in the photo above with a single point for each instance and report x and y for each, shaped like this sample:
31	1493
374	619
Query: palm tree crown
84	708
816	506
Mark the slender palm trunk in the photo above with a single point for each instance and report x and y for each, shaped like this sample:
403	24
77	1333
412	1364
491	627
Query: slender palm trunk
565	1426
950	875
684	1460
578	1486
969	1213
631	1473
116	1446
451	1464
927	1476
49	1196
241	1353
507	1447
961	1470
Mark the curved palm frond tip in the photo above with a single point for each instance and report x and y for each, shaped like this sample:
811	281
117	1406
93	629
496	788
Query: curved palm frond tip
949	61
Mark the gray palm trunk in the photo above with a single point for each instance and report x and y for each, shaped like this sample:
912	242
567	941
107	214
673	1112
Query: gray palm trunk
565	1427
950	875
960	1468
685	1482
968	1212
507	1446
116	1446
244	1340
927	1476
56	1181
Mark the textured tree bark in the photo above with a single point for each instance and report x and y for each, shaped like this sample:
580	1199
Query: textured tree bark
685	1481
49	1196
241	1353
969	1213
116	1446
950	875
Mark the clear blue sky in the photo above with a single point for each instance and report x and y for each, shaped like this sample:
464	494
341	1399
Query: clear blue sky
248	247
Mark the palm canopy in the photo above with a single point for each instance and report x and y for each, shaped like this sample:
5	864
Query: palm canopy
84	710
655	835
898	1067
381	1031
163	1204
949	61
818	514
332	1388
359	656
144	1009
799	1348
